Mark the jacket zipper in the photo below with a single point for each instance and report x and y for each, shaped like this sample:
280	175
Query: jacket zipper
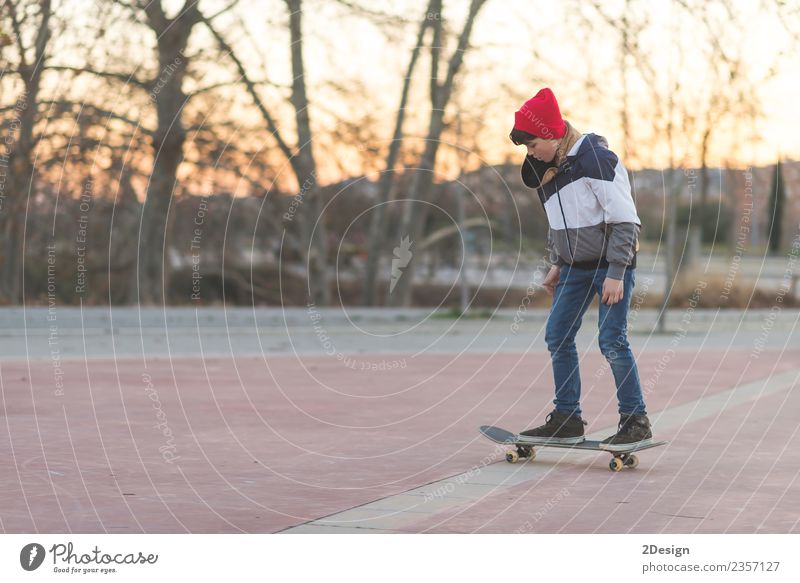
566	231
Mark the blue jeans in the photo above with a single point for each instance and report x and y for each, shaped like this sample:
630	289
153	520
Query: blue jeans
573	294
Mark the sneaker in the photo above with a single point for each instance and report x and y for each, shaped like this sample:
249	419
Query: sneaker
633	430
558	428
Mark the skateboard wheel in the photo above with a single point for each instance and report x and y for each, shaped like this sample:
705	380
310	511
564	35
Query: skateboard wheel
615	465
512	457
632	461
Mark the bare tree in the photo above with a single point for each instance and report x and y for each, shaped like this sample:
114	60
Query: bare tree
18	157
305	167
628	28
301	157
377	222
729	94
151	279
676	108
440	92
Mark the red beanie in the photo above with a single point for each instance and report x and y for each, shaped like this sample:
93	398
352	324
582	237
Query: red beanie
541	116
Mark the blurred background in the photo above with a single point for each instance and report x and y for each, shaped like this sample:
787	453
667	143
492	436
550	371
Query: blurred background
354	153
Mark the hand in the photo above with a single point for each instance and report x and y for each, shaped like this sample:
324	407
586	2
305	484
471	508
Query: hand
551	279
613	290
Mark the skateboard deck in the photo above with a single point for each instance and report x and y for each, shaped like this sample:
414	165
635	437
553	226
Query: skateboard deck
620	458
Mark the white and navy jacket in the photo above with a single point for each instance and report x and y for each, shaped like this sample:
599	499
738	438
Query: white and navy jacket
590	210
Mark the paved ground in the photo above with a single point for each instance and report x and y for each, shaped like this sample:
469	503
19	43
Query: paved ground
112	426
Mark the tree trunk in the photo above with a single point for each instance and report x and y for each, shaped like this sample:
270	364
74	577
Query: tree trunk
413	218
313	231
695	230
376	227
151	275
21	178
673	192
312	222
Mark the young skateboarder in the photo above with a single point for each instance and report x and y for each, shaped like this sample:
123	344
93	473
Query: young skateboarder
592	243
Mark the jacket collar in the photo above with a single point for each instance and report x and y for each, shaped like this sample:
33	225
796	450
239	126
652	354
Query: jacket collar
564	146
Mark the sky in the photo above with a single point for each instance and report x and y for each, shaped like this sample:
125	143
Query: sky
520	46
355	72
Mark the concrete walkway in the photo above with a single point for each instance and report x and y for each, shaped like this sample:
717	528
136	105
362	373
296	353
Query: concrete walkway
700	483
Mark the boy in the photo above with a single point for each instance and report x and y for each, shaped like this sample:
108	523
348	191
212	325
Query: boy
592	243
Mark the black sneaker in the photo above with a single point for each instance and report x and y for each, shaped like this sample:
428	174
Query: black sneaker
558	428
633	430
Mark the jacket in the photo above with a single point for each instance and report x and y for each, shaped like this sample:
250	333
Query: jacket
587	198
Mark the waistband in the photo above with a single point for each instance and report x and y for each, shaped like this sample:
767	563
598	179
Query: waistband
596	264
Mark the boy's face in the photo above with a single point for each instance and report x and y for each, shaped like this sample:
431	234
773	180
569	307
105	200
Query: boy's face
544	150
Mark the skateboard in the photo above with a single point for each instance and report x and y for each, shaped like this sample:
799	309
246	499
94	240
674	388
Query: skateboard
620	458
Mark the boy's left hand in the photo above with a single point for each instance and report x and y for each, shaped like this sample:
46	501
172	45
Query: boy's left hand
613	290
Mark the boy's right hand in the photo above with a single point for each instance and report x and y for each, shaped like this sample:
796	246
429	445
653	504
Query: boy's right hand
551	279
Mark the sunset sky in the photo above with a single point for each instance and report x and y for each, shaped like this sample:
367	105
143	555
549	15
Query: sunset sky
508	33
518	47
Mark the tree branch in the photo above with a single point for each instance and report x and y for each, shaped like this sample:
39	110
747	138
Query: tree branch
128	79
228	83
458	56
271	125
435	13
18	32
129	5
155	16
223	10
66	106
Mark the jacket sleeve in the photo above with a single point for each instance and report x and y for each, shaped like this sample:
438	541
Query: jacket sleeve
533	171
622	245
608	180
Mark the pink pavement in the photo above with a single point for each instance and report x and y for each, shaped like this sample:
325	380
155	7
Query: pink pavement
262	444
